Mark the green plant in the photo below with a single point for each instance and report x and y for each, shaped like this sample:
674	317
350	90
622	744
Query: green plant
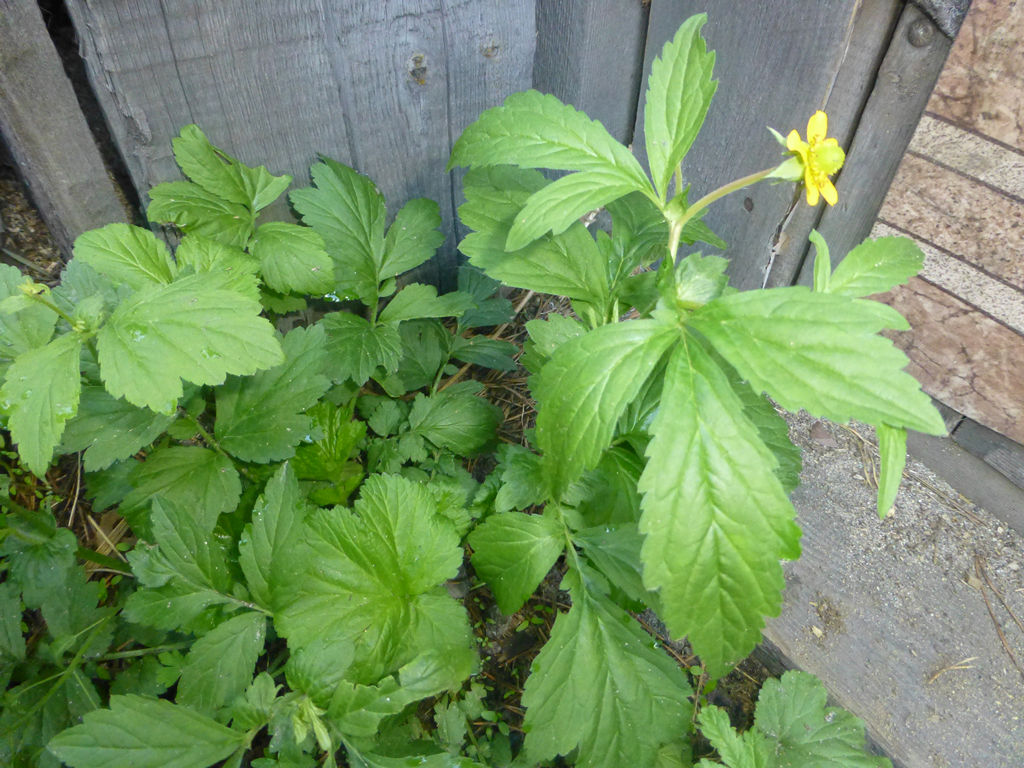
233	398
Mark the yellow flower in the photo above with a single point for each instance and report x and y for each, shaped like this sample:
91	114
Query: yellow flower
820	158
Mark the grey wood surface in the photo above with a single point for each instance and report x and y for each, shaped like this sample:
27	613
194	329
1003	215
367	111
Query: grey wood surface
46	133
384	87
777	63
905	80
590	54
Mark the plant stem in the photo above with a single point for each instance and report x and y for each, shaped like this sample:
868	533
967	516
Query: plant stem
211	441
142	652
54	308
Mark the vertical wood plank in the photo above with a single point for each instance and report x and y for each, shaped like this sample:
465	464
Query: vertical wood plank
384	87
47	135
590	55
905	81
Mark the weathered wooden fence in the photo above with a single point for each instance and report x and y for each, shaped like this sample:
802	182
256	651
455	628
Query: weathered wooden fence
388	86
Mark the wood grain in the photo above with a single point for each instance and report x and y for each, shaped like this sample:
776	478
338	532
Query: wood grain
48	137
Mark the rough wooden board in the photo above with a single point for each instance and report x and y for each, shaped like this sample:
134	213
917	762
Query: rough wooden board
777	63
47	135
590	54
385	87
879	609
995	450
981	225
982	84
963	357
991	162
905	80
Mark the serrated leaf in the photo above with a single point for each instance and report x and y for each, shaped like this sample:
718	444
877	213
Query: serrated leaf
558	205
535	130
277	521
29	329
513	552
12	643
546	336
455	418
791	712
417	300
716	518
110	430
489	353
746	750
412	238
194	210
126	254
892	448
220	664
38	563
679	93
292	258
491	309
138	732
875	266
355	349
600	685
347	211
819	352
198	479
584	388
202	254
261	418
371	577
196	329
39	395
615	552
567	264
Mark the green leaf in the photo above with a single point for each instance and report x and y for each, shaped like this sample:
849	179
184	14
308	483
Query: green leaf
202	254
355	349
261	418
220	664
347	211
292	259
29	329
183	574
198	479
601	685
12	643
679	93
455	418
875	266
39	560
584	388
482	351
412	238
417	300
138	732
560	204
371	577
892	447
567	264
546	336
791	712
535	130
513	552
39	395
822	263
194	210
277	521
615	552
491	308
746	750
819	352
110	430
716	518
126	254
196	329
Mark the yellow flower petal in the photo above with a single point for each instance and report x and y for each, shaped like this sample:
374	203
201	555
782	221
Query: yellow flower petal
828	191
812	195
794	143
817	127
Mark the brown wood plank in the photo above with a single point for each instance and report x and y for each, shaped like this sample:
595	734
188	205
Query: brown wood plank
980	225
385	87
982	85
777	63
908	73
46	133
963	357
890	613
